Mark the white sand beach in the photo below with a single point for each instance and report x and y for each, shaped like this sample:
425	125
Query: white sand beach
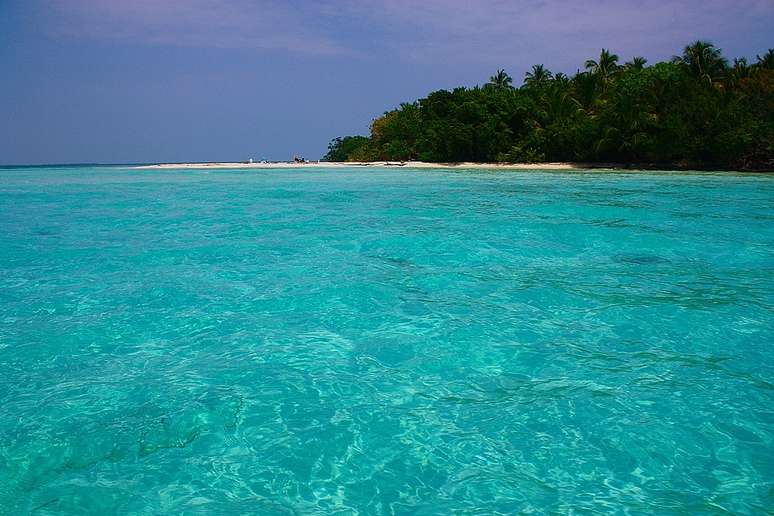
374	164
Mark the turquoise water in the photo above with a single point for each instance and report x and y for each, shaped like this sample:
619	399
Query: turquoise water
385	342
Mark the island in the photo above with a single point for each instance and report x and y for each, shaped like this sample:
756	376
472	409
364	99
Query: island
697	110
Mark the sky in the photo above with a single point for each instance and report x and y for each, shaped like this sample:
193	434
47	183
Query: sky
138	81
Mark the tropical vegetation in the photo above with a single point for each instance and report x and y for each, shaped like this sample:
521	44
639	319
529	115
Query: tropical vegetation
697	110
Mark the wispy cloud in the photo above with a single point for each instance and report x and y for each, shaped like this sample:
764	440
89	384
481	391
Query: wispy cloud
262	24
504	30
484	31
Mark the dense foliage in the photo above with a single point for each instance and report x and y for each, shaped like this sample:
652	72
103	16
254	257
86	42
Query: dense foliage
341	148
696	110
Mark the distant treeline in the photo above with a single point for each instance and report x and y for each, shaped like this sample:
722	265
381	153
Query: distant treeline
696	110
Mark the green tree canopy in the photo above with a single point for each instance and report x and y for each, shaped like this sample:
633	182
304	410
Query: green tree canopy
538	76
341	149
632	113
704	60
501	79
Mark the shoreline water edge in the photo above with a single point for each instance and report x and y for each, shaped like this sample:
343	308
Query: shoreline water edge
429	165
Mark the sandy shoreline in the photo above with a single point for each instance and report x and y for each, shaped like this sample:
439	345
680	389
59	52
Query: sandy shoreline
427	165
379	164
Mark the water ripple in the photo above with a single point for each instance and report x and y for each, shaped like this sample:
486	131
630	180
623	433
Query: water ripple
385	342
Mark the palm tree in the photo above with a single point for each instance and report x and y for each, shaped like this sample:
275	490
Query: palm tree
501	80
559	104
585	86
539	75
767	61
637	63
741	70
605	67
704	60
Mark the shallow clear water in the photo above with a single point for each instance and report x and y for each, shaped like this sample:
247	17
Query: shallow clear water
385	341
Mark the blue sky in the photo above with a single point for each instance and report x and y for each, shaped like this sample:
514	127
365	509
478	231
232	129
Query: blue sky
118	81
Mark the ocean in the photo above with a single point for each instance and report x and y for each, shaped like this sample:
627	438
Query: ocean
385	341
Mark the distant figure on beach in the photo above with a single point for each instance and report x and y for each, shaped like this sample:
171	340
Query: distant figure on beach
298	159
